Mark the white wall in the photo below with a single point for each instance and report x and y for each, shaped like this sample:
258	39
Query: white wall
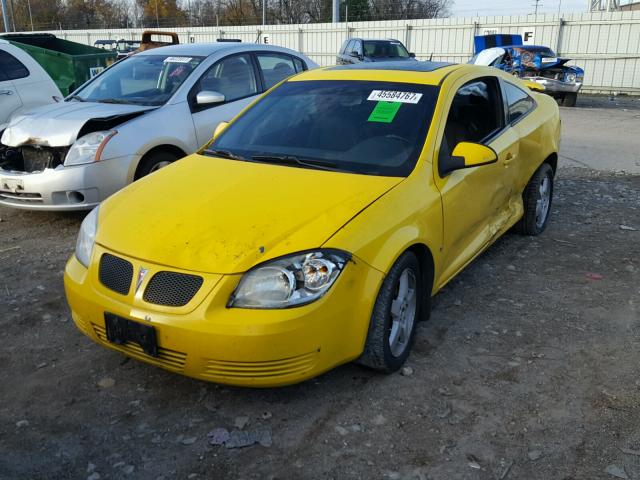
605	44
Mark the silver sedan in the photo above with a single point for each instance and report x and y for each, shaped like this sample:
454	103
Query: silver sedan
139	115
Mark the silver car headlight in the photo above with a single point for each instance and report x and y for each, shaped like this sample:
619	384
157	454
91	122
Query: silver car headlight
87	237
88	149
289	281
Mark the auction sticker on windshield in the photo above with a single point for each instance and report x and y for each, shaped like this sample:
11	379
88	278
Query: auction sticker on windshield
393	96
177	59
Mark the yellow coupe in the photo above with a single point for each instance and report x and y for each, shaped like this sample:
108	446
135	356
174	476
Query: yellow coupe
314	229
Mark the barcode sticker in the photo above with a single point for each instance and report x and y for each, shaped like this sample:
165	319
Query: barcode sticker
393	96
177	60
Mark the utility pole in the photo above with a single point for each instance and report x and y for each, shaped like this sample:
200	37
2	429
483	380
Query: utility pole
336	11
264	12
535	5
30	16
5	16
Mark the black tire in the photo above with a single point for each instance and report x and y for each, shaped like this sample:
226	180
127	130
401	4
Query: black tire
378	352
531	222
154	161
569	100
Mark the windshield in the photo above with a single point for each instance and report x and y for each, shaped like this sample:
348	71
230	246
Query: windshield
374	128
387	49
139	80
544	51
126	47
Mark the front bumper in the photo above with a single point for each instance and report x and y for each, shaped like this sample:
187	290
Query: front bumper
79	187
206	340
556	86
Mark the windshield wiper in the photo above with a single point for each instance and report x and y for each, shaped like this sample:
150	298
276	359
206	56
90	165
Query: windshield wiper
296	161
113	100
75	97
225	154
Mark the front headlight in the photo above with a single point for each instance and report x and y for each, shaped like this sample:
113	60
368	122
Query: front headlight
87	237
88	149
289	281
570	77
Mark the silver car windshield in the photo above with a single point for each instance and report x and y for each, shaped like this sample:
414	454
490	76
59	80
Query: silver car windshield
139	80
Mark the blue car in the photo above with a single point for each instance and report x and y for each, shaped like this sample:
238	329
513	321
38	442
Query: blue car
531	62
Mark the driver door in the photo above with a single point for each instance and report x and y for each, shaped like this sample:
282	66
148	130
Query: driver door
476	201
233	76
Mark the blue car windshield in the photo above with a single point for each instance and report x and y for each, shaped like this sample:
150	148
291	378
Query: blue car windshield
544	51
374	128
139	80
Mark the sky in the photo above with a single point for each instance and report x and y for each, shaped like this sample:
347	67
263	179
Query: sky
469	8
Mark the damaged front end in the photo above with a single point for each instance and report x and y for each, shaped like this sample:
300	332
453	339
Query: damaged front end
31	158
50	158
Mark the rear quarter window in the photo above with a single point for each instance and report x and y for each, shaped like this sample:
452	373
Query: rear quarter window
11	68
519	102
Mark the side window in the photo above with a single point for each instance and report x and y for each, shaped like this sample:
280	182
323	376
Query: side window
476	113
358	47
233	76
300	65
275	67
519	102
11	67
350	47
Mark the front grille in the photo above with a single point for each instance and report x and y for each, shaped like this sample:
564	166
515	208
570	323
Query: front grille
299	365
172	289
37	158
115	273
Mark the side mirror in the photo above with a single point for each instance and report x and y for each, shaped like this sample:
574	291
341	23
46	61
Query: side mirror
209	98
467	155
412	55
220	128
354	54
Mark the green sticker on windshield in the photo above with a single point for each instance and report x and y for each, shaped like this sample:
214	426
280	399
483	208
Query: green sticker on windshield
384	112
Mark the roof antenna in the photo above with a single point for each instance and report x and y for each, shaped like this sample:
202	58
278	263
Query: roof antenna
431	57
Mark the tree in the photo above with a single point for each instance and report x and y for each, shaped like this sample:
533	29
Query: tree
159	13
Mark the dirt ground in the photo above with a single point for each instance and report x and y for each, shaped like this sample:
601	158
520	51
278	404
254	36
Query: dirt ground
528	369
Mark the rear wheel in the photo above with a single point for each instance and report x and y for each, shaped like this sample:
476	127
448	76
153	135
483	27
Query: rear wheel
537	198
394	317
153	162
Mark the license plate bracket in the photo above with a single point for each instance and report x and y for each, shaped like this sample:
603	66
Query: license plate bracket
121	330
13	185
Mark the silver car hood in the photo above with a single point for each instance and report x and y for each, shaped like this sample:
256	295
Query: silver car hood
58	125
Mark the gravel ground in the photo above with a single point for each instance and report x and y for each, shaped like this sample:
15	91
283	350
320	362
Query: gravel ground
526	370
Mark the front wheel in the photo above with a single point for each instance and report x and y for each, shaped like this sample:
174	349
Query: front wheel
153	162
537	198
569	100
394	317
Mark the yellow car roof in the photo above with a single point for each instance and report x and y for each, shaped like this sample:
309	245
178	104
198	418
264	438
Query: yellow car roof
427	73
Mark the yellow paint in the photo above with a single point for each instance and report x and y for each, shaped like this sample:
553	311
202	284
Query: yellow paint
474	154
221	217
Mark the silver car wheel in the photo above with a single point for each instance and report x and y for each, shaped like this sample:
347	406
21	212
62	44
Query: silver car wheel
403	313
543	202
158	166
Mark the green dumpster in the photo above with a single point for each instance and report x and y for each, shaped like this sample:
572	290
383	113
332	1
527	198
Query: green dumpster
69	64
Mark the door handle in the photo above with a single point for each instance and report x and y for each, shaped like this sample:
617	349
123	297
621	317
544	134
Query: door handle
6	92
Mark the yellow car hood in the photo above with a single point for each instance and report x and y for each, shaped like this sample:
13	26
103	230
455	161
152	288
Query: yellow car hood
224	216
